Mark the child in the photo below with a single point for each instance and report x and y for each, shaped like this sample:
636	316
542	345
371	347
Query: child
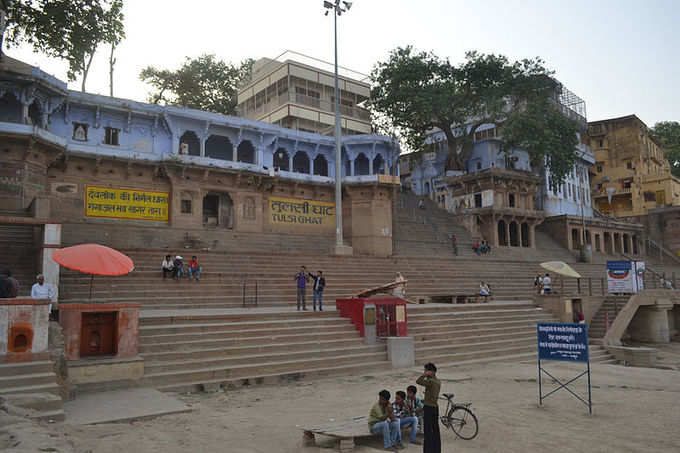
414	405
400	409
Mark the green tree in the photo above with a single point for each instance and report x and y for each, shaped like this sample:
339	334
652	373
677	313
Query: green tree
668	133
67	29
414	92
203	83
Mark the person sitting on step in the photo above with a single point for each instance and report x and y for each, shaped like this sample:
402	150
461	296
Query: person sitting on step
167	266
194	269
381	420
178	268
400	409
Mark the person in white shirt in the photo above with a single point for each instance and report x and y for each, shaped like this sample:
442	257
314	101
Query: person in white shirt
546	284
167	266
42	290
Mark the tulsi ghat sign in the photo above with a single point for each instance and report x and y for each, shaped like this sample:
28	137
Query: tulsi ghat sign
292	211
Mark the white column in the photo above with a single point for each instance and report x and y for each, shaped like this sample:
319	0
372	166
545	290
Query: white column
51	242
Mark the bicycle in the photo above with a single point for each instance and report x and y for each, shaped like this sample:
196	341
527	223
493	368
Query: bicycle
459	418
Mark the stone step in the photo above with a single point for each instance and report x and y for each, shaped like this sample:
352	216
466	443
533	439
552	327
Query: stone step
277	378
263	357
158	335
485	343
25	368
264	345
196	345
424	342
30	388
459	358
8	383
254	369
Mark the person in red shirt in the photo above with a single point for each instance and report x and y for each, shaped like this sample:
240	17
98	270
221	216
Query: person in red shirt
454	243
194	269
476	248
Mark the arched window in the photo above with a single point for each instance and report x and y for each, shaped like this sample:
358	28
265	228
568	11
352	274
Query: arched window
189	144
526	242
502	238
514	234
245	152
301	162
378	165
35	113
320	166
361	165
219	147
575	242
282	159
10	109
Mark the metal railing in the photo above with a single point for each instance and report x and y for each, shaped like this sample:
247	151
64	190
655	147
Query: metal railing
659	250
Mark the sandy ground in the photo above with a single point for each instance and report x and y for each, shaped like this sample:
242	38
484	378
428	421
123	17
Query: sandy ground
634	410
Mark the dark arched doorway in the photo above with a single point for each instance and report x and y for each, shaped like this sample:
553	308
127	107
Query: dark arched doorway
514	234
502	238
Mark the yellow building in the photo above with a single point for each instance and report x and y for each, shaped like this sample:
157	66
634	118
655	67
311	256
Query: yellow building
301	96
631	174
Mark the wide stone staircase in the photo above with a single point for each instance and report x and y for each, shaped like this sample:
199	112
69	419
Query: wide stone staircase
38	380
201	349
465	334
229	280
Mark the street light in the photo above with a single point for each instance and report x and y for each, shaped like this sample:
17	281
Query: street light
337	9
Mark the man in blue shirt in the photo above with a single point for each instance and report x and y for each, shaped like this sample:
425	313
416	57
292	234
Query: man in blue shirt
301	279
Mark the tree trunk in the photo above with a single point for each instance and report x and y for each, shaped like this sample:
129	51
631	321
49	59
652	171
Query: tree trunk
112	63
86	70
452	162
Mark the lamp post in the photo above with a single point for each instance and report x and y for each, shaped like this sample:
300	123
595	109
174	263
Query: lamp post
337	10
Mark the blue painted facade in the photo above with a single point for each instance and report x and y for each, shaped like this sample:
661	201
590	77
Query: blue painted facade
106	126
573	198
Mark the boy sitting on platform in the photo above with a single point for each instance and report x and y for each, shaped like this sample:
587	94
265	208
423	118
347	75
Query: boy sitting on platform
381	420
414	405
401	411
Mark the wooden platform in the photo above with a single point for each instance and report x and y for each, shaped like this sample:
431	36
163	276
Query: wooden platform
344	431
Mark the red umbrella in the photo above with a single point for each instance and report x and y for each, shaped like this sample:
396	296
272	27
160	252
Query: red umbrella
94	259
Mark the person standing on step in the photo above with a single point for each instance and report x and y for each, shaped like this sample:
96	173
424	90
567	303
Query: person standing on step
42	290
319	285
301	280
484	291
538	283
547	282
433	443
454	243
9	286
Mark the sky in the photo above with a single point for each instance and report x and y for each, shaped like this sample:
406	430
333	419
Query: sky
620	56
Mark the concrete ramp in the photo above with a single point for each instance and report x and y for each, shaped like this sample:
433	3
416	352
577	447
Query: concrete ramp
121	406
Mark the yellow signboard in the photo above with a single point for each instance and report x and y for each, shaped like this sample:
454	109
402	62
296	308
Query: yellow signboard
126	204
292	211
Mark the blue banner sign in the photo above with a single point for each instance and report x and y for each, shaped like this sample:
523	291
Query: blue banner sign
563	341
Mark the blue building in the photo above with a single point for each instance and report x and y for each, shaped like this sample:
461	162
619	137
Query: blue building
217	171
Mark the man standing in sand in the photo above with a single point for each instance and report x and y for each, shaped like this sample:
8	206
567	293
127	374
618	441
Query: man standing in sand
433	443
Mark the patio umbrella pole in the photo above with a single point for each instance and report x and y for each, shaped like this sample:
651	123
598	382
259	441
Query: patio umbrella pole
91	281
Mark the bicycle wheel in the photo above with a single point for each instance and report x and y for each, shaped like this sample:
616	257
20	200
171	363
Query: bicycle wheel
463	422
